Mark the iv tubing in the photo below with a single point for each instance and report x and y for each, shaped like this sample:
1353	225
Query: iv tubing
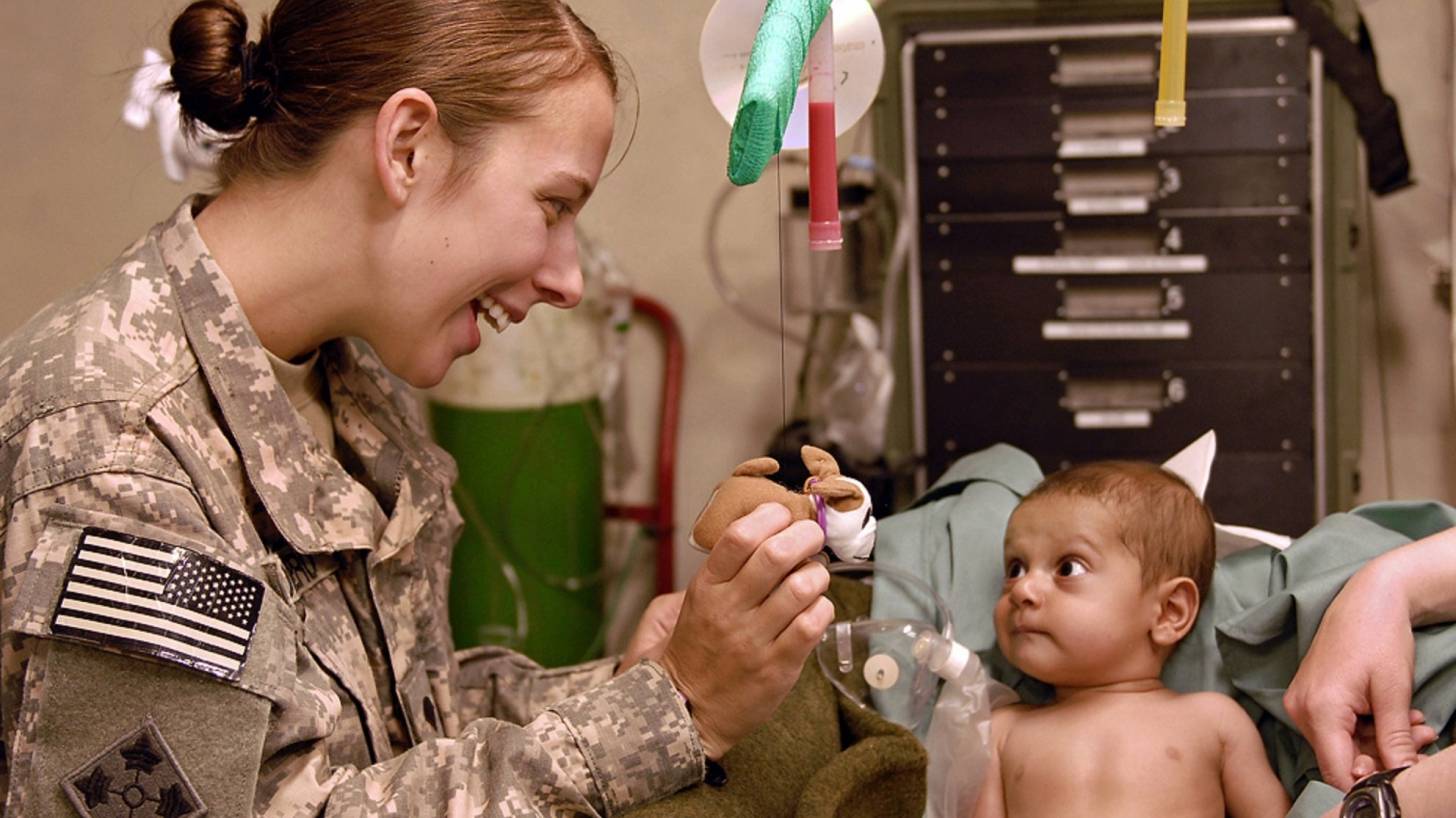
824	227
1172	110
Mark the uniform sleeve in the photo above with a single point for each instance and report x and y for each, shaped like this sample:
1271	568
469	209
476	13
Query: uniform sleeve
499	683
95	725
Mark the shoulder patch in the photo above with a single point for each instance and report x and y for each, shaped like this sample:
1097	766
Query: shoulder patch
136	775
165	601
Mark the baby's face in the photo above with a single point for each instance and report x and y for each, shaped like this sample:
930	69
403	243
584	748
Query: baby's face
1073	610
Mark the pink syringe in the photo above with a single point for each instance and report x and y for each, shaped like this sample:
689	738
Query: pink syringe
824	227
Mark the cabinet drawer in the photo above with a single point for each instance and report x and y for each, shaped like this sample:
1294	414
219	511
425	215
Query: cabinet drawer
1111	411
1051	67
1139	318
1102	187
1093	128
993	244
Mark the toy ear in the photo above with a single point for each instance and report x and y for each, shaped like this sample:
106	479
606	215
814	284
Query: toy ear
757	467
820	463
836	490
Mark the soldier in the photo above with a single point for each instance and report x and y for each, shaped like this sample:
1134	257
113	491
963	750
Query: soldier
227	535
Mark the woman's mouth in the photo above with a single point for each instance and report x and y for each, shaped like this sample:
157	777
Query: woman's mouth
489	310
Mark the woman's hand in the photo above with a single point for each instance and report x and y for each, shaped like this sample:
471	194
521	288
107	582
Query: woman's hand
748	621
1361	663
653	630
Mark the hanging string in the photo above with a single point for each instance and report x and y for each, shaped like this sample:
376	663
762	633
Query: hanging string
783	344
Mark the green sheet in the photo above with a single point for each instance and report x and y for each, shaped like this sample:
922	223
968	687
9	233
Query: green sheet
1260	618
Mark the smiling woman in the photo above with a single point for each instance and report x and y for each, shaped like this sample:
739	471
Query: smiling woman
227	535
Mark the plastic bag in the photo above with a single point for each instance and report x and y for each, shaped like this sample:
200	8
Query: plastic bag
959	742
854	403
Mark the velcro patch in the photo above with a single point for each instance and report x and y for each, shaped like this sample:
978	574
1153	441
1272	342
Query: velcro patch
165	601
137	775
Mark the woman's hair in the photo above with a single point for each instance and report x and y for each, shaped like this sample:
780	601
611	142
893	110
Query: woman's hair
1163	523
317	64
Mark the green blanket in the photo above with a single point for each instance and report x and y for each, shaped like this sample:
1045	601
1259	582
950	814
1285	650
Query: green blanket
1262	612
821	756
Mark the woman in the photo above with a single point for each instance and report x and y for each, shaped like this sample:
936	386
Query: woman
227	536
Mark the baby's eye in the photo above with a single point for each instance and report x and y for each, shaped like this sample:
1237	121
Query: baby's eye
1015	570
1071	567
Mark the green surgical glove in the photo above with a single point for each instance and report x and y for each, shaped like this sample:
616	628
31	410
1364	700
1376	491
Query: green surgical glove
772	82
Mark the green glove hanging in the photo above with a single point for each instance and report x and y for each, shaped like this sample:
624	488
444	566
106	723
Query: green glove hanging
771	84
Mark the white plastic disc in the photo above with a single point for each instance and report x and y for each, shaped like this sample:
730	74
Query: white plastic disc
859	62
881	671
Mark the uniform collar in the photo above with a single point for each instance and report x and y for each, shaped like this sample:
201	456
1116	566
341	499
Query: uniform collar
312	500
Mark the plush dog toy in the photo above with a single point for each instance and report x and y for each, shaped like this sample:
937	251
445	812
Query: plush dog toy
841	505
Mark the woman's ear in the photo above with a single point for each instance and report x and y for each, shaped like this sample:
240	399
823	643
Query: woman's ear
402	131
1177	611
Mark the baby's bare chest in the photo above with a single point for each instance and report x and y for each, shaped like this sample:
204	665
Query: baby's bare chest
1128	761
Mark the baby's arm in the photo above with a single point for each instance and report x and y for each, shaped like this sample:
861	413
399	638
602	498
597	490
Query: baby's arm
992	801
1250	788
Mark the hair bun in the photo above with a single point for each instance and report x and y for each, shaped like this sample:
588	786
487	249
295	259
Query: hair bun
221	79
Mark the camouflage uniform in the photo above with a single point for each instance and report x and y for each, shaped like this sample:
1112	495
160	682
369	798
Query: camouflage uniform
202	609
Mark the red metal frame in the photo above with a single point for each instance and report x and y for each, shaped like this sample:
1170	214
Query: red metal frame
657	517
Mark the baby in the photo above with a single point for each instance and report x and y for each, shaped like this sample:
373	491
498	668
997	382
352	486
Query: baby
1106	564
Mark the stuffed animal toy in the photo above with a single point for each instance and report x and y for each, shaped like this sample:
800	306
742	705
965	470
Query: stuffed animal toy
841	505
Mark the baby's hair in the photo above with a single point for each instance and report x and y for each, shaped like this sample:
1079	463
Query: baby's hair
317	64
1162	521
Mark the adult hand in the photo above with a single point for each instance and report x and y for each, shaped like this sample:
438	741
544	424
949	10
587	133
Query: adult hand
653	630
1361	663
749	620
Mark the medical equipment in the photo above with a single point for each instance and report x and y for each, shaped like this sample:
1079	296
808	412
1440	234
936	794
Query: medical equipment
824	227
914	673
1171	110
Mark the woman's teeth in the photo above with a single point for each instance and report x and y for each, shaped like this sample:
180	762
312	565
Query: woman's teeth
494	314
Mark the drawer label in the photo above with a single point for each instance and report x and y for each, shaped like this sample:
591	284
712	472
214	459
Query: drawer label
1113	419
1107	205
1116	330
1108	265
1095	148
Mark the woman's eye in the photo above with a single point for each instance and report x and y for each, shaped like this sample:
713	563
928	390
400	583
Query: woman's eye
1071	568
1015	570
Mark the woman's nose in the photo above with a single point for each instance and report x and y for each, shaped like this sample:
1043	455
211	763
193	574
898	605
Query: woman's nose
559	281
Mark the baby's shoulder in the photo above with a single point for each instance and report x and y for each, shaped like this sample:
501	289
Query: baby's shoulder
1216	710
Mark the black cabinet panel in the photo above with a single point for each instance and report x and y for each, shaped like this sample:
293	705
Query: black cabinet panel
1016	127
1136	318
1092	187
1050	67
1110	411
983	244
1092	286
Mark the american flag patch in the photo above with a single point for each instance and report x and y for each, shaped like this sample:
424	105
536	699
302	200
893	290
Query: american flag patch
163	600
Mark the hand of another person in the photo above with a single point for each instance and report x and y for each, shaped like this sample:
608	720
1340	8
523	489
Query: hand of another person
749	620
653	630
1361	663
1367	749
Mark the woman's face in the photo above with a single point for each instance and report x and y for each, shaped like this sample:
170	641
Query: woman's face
502	241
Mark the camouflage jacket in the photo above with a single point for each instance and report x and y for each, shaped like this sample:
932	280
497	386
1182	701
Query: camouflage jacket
203	610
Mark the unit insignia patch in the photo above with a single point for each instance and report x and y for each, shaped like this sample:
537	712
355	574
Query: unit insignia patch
136	776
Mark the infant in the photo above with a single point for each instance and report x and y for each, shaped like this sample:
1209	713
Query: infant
1106	564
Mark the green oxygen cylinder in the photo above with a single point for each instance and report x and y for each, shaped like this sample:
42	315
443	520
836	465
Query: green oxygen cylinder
521	418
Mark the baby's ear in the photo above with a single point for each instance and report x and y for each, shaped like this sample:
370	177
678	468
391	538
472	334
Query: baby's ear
1177	610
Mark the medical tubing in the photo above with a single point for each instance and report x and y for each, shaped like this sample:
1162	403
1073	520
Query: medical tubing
898	259
904	576
1171	110
507	568
726	290
825	230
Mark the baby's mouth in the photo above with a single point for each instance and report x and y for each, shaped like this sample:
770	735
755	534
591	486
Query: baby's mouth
489	310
